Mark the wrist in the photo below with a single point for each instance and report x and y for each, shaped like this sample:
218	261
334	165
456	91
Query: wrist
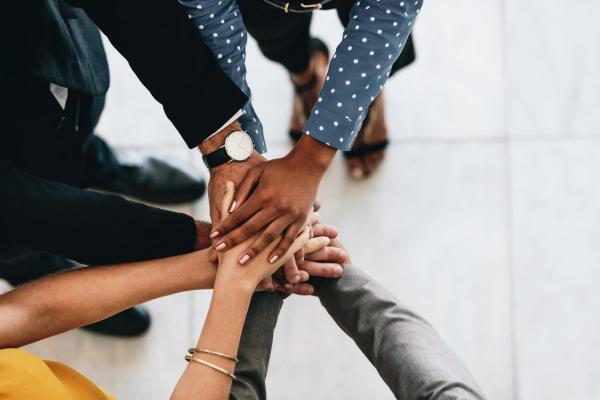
217	140
313	153
235	283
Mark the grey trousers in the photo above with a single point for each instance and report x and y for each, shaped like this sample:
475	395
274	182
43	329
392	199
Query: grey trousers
411	358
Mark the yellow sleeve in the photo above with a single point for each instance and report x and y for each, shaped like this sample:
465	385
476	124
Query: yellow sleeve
25	376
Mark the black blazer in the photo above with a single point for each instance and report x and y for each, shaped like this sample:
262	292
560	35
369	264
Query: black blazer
57	42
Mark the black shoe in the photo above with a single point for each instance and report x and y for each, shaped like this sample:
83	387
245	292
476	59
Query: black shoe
131	322
19	266
155	181
148	179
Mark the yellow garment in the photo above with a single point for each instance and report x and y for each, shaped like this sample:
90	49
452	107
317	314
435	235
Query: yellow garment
24	376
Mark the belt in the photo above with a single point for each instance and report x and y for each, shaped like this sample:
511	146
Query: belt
296	7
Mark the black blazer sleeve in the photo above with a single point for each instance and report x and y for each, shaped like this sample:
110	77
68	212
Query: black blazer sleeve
171	60
80	225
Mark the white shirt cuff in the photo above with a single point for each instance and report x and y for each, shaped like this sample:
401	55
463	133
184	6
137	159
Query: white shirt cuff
235	116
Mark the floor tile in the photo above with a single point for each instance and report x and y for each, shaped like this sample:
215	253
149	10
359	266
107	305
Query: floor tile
553	85
431	225
556	210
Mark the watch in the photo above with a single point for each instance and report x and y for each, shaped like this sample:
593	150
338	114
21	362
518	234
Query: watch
238	146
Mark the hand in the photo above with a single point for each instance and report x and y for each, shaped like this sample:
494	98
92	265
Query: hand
202	232
274	197
259	268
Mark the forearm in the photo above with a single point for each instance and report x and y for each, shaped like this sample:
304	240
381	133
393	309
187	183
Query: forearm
372	41
221	332
222	29
408	353
72	299
89	227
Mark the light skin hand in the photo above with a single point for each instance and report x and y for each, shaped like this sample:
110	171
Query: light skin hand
232	171
275	198
259	268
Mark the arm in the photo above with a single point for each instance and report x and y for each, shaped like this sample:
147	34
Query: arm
90	227
222	29
222	328
412	359
165	51
268	200
69	300
372	41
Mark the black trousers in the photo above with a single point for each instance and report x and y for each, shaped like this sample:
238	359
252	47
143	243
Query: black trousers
285	37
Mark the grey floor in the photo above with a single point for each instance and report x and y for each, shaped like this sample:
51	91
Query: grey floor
485	216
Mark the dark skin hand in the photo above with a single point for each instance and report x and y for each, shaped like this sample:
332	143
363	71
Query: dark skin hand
275	197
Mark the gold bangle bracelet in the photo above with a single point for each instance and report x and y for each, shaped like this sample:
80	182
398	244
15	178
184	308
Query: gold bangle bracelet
211	365
193	350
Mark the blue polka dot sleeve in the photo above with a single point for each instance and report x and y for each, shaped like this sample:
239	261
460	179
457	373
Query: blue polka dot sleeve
371	42
222	30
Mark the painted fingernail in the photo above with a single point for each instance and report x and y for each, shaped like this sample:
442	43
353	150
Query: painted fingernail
356	172
220	246
273	258
233	206
214	234
244	259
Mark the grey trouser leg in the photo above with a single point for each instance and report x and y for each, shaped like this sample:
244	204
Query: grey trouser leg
410	356
255	347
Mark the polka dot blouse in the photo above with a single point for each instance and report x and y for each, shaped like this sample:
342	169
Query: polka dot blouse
372	41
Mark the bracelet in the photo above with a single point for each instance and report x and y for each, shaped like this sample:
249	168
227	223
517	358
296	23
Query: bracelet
193	350
211	365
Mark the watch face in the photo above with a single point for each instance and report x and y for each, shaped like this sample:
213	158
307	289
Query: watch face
239	146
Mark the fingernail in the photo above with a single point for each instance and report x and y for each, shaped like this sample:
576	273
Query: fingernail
273	258
214	234
338	270
233	206
296	279
356	172
244	259
287	286
220	246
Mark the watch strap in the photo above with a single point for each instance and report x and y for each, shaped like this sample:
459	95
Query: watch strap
216	158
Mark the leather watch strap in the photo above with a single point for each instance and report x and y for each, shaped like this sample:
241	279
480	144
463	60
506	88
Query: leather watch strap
216	158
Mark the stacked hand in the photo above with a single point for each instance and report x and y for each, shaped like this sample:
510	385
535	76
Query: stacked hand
274	198
321	260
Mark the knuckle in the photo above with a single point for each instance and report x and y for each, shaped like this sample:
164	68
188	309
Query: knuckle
269	236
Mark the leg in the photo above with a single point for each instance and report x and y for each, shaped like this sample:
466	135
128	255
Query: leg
409	355
255	347
285	39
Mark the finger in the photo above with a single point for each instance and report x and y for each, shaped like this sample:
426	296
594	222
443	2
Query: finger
314	218
323	270
329	254
268	236
267	284
290	269
236	219
302	289
288	238
245	188
316	243
299	256
213	256
316	205
244	232
304	276
227	199
325	230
